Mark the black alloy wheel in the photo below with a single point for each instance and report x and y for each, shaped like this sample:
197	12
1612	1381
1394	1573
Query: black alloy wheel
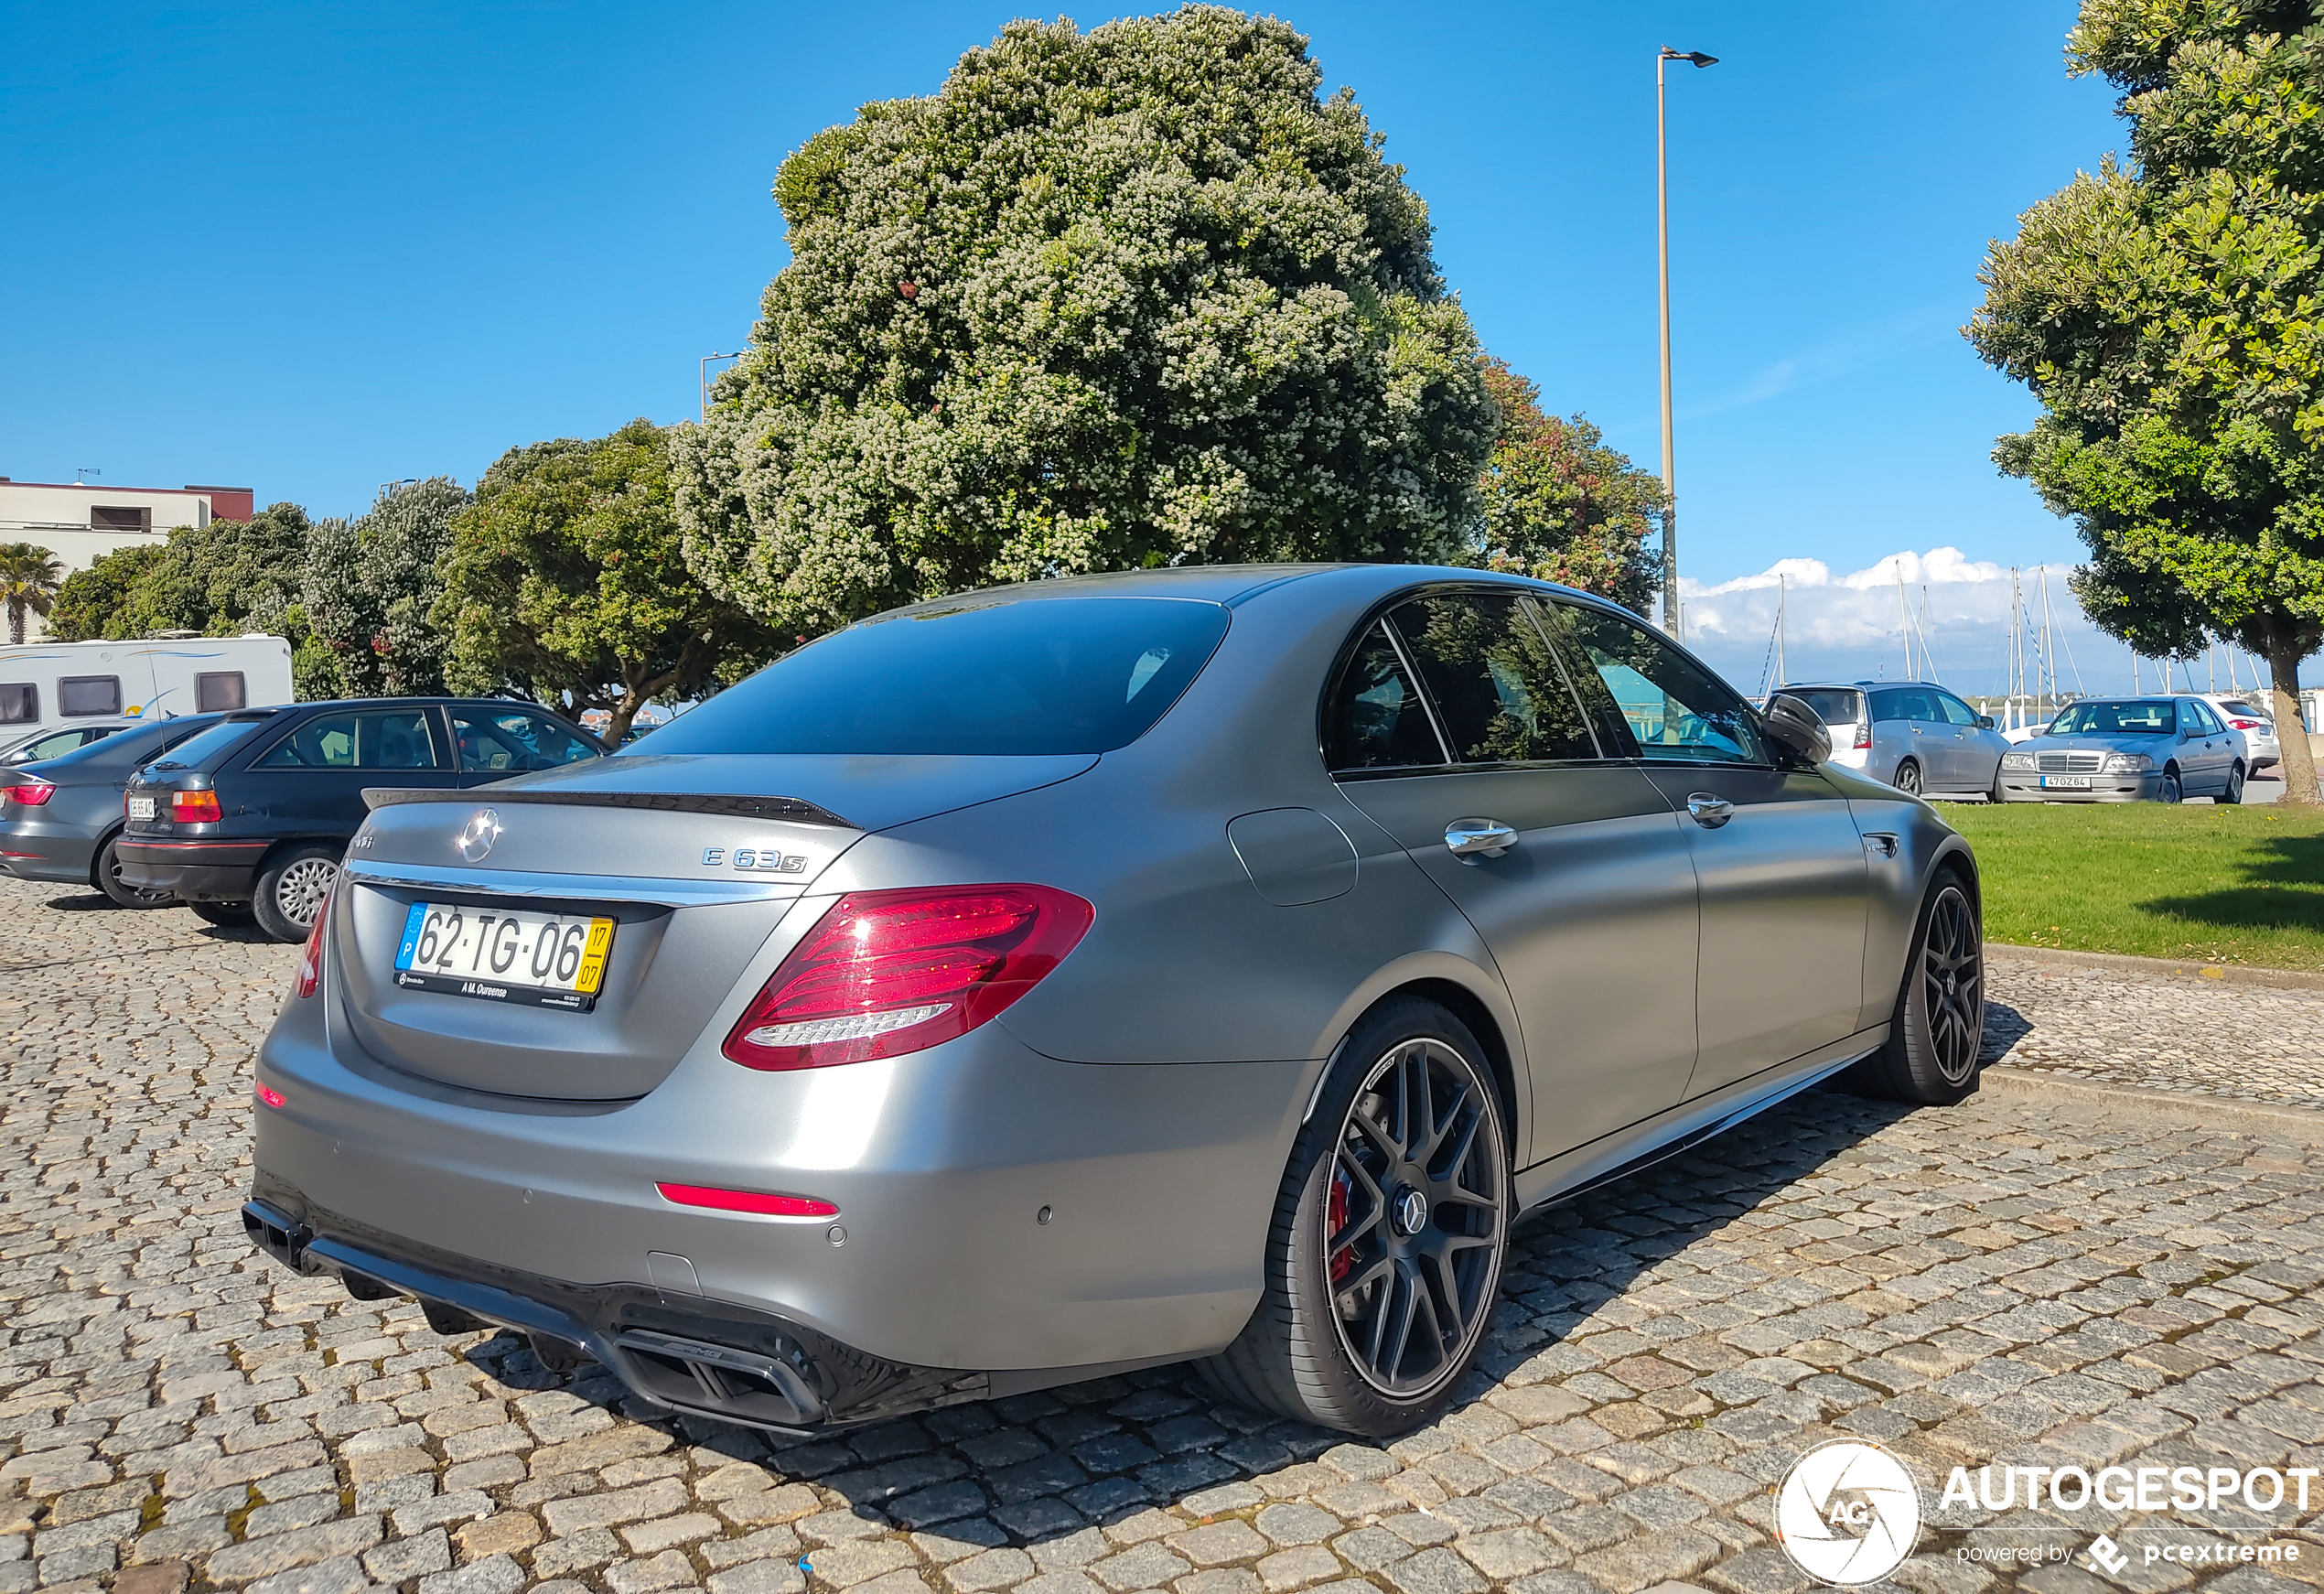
107	875
1383	1259
2172	790
1938	1029
1909	777
1413	1218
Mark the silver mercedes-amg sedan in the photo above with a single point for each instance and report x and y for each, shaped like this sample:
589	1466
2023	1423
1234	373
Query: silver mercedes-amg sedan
1047	982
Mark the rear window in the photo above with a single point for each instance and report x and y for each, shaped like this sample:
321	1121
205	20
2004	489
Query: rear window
1832	706
1058	676
197	750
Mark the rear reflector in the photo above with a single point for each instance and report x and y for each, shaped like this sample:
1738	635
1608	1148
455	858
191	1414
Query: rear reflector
884	973
310	962
32	793
194	807
270	1096
747	1200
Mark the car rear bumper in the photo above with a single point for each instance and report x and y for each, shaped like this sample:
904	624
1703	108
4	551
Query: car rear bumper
37	848
1001	1214
196	871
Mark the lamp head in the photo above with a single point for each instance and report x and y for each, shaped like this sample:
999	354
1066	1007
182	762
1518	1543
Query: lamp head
1696	56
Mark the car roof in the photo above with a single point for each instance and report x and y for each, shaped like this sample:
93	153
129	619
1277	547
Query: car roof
1236	583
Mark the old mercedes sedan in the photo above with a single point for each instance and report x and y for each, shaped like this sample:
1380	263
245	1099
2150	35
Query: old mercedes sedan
1047	982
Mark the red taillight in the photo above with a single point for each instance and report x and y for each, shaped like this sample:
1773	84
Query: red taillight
194	807
270	1096
310	962
1864	733
32	793
747	1200
884	972
2244	724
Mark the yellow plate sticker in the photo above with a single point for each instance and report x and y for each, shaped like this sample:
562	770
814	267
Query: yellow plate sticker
593	956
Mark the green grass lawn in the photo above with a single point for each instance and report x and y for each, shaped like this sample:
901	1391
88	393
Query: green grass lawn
2196	881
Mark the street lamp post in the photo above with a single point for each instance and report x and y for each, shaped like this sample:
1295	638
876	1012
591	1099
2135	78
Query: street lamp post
706	380
1672	620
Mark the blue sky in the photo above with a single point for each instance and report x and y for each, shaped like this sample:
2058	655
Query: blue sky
313	249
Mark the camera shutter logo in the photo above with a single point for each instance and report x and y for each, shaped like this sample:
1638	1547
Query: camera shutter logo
1847	1512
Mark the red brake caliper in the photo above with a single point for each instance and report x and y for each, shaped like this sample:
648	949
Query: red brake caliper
1335	1220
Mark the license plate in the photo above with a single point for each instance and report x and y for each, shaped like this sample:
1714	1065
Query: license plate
503	954
141	808
2071	782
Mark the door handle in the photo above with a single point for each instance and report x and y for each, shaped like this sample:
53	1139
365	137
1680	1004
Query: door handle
1471	839
1709	811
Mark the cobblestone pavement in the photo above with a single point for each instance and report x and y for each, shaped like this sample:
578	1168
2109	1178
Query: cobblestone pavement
1960	1285
2178	1033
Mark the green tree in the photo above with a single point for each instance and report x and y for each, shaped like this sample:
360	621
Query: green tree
2168	315
371	587
1560	505
225	578
1108	299
566	577
29	579
93	603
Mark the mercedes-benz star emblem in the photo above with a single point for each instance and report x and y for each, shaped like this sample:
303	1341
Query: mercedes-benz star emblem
1412	1211
482	830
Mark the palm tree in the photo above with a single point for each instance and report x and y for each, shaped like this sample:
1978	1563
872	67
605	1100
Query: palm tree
29	577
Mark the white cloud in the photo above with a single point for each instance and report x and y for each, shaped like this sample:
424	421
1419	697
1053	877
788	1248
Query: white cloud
1852	625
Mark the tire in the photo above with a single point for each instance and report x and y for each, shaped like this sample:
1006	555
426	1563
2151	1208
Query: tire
1909	777
1938	1027
2235	791
225	915
106	873
1420	1202
2172	790
290	890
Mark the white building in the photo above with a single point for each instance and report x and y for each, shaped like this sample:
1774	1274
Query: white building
78	523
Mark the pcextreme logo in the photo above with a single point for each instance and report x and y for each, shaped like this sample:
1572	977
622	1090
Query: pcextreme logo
1847	1512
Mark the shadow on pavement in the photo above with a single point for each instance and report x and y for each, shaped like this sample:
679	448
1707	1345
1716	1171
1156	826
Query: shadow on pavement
1032	1468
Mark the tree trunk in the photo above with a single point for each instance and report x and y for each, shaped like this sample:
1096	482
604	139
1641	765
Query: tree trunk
15	622
2291	730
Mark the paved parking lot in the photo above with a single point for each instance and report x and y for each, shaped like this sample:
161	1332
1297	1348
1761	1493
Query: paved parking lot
2004	1280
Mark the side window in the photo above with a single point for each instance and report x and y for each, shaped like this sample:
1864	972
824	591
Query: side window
19	703
54	747
2204	717
86	694
1499	692
1890	706
1955	711
325	742
220	692
402	738
1373	718
1675	710
553	742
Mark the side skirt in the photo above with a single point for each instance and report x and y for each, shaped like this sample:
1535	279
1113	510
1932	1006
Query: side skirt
1687	1126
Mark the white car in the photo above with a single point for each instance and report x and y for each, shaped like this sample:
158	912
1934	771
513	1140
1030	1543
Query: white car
2250	720
2025	733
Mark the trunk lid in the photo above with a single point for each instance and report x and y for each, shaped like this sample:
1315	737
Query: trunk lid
695	860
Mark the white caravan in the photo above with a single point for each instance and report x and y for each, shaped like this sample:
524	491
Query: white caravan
54	685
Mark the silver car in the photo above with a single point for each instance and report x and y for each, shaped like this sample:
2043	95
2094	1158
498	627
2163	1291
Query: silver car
1914	734
1059	980
2129	749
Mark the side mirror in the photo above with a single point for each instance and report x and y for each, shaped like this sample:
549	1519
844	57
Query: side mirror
1985	722
1797	730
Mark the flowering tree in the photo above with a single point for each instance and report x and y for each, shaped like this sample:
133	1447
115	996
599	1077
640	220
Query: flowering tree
1109	299
1560	505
